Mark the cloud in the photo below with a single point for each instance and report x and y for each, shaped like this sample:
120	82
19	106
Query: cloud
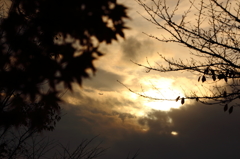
203	131
123	116
104	81
134	49
157	122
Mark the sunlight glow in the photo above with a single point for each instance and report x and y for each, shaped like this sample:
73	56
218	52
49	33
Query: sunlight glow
165	91
162	93
174	133
167	101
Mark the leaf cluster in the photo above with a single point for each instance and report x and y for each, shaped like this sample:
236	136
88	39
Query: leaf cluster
44	44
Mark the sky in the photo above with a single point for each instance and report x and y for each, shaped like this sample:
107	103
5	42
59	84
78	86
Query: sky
127	123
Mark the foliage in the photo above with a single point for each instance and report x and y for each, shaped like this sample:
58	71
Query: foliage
210	30
30	144
46	46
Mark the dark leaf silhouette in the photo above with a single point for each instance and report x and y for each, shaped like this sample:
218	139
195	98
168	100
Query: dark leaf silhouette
197	99
221	76
36	42
182	100
213	72
177	98
225	78
206	70
225	108
203	78
230	110
225	94
214	77
199	78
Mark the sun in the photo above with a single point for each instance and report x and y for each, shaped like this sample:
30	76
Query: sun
166	99
164	93
162	90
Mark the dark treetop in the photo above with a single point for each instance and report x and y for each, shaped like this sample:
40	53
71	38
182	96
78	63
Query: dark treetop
36	40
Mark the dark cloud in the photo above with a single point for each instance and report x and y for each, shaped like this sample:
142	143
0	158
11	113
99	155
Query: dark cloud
104	81
204	131
157	121
134	49
123	116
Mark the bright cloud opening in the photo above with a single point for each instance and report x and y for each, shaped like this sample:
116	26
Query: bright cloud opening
174	133
166	100
162	93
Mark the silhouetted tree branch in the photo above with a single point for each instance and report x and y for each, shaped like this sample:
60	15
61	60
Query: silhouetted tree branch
13	142
212	38
53	42
28	144
83	150
134	156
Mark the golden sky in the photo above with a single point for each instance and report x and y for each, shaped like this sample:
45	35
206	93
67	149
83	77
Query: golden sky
127	122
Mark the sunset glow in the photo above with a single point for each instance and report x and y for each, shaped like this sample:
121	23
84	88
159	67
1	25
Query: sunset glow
163	95
120	79
166	101
174	133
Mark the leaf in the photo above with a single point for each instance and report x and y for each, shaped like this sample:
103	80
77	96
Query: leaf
206	70
225	79
230	110
199	78
197	99
225	94
225	107
213	73
214	77
221	76
203	78
177	98
182	101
